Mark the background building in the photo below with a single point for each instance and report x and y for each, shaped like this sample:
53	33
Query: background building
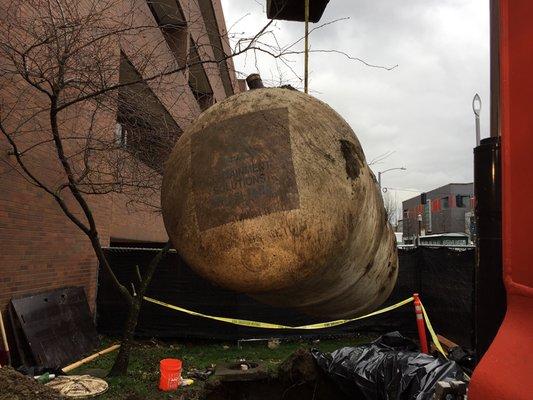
442	210
40	249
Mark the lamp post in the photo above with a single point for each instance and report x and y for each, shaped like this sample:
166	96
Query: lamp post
476	107
387	170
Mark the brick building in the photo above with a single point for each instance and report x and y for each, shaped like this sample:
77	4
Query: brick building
442	210
40	249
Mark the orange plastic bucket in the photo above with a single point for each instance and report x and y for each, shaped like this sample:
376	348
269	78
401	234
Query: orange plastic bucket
170	374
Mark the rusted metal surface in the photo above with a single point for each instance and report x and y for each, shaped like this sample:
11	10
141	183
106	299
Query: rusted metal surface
248	172
254	81
269	193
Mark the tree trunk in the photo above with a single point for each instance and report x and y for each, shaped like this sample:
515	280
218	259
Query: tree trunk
120	366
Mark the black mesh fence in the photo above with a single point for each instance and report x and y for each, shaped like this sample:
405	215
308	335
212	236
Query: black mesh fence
443	277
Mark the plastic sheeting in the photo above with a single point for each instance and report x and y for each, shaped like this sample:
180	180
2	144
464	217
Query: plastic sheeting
443	277
390	368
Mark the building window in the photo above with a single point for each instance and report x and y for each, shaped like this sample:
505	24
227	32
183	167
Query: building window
215	39
198	80
427	216
144	127
462	201
173	25
205	100
121	135
445	203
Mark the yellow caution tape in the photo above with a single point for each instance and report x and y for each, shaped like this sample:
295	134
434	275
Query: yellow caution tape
432	332
267	325
321	325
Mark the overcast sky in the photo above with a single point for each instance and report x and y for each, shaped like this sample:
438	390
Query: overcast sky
421	110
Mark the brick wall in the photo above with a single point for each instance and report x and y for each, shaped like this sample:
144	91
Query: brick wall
40	249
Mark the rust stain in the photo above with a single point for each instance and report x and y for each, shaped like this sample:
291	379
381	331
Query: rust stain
242	168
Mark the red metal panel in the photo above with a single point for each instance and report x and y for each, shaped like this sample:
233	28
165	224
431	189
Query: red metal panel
506	370
435	205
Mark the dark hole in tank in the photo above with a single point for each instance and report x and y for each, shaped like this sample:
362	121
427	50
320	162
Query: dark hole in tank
352	158
392	269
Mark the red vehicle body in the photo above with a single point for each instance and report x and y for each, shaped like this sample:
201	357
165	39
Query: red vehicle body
506	370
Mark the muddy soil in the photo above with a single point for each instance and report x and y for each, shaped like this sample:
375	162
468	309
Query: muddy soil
298	378
15	386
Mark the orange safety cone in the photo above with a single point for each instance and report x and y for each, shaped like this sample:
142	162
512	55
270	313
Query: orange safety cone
420	324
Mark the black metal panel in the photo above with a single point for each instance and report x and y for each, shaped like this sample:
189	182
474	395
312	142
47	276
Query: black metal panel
294	10
447	290
490	300
57	326
443	277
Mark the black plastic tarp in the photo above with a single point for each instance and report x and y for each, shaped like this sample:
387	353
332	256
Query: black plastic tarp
443	277
389	368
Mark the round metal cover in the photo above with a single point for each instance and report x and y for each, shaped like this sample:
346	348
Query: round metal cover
79	386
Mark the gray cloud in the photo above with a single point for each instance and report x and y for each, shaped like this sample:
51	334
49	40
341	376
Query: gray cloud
422	109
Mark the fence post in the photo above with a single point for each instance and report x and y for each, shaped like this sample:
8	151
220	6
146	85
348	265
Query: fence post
420	324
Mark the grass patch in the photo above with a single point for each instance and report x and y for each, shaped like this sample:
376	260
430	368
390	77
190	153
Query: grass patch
143	373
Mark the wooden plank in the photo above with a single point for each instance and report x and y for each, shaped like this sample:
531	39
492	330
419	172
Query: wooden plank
446	343
77	364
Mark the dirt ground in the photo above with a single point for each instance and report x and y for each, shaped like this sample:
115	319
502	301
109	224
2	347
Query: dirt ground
15	386
288	376
292	373
297	378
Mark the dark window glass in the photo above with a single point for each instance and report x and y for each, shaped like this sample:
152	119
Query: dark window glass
462	201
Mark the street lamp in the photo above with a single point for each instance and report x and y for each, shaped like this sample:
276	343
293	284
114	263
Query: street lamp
387	170
476	107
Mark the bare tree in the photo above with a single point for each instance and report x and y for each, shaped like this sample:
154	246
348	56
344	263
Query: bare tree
390	201
74	98
79	91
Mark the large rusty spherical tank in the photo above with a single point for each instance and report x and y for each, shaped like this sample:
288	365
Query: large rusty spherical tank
268	193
